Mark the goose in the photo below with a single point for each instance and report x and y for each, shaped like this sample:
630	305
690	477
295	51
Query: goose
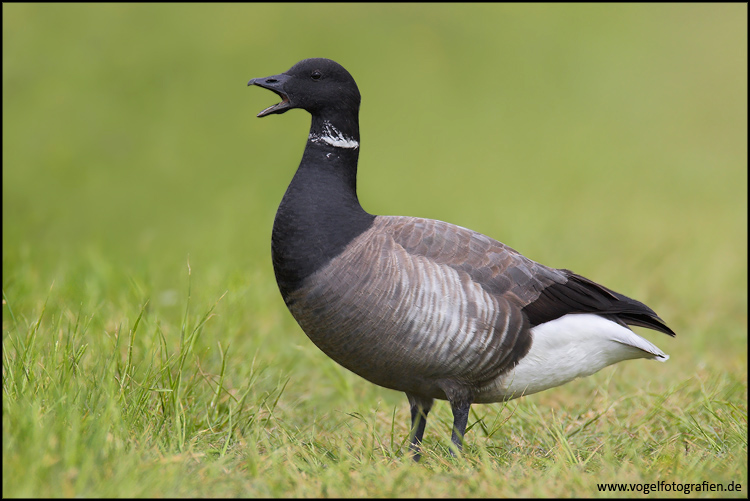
421	306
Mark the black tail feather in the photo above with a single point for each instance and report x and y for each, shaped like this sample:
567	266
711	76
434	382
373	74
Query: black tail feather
581	295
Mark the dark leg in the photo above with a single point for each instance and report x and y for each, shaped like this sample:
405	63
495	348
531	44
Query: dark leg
420	407
460	418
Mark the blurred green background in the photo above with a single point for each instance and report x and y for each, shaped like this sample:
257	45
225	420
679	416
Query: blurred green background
608	139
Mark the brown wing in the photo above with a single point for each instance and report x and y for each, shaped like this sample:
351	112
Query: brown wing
543	293
499	269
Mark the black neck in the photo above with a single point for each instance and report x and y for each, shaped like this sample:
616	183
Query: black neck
320	212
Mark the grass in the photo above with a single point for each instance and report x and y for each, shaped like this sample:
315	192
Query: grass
146	350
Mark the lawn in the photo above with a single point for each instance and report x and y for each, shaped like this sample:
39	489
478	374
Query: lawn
146	348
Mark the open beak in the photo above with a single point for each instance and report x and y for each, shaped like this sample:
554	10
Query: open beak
276	84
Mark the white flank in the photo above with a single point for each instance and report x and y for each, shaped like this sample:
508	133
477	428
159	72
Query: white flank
436	308
569	347
334	137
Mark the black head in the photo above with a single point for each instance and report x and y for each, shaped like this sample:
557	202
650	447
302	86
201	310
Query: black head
317	85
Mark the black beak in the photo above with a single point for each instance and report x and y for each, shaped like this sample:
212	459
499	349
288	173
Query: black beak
276	84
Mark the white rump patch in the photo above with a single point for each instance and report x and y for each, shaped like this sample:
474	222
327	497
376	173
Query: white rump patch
569	347
334	137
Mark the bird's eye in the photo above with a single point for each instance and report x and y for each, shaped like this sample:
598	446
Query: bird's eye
316	75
